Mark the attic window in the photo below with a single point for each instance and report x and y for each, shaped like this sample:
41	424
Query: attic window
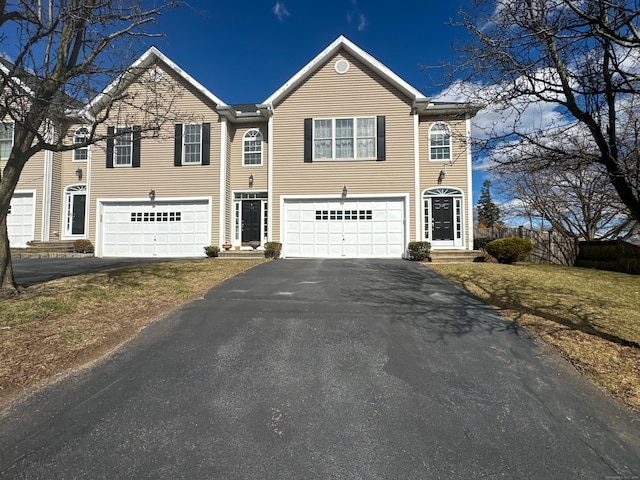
156	74
342	66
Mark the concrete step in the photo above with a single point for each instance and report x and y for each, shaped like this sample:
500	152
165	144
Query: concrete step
52	246
456	256
241	254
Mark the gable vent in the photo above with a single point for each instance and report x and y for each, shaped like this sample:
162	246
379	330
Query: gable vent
342	66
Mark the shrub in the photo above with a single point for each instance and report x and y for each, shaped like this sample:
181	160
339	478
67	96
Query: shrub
212	250
82	246
480	243
509	250
272	249
419	251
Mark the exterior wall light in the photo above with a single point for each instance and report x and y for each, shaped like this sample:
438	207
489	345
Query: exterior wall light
251	180
441	177
152	195
344	192
79	173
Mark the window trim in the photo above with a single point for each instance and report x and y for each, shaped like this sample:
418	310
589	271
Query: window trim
13	137
244	152
354	138
184	144
76	135
449	145
119	135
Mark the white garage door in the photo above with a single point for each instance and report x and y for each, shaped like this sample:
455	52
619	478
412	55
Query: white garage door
158	229
349	228
21	219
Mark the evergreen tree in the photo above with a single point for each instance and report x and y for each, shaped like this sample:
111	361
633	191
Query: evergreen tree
488	212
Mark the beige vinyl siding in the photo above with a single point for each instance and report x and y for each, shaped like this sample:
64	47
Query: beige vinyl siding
157	171
456	171
239	172
327	94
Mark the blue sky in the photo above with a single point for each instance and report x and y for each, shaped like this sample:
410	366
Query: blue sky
244	51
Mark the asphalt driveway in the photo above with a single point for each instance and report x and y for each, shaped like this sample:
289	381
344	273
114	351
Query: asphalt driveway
322	369
28	271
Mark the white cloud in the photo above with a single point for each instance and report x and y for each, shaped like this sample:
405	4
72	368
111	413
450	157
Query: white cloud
280	11
358	16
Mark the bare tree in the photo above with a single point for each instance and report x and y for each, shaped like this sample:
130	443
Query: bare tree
574	200
66	51
547	67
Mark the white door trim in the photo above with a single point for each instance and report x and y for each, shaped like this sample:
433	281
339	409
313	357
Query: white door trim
370	196
102	202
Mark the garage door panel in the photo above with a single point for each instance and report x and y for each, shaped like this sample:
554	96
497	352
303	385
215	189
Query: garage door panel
21	219
338	228
163	229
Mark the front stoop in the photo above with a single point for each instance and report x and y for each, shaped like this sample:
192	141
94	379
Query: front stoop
456	256
237	254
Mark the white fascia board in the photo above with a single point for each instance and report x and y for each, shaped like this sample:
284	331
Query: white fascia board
19	82
144	61
372	62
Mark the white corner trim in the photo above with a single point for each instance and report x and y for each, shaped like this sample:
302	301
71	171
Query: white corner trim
469	184
270	181
223	180
416	179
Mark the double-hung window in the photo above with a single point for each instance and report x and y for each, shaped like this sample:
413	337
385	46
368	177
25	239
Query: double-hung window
344	138
123	147
6	139
192	144
252	148
81	154
440	142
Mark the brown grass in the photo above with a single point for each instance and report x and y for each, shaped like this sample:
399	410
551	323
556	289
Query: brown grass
591	317
54	327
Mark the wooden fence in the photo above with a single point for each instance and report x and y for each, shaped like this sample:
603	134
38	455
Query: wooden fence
548	247
615	255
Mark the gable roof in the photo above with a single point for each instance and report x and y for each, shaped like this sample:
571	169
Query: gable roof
344	43
147	59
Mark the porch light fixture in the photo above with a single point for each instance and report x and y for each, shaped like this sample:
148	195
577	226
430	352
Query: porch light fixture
441	177
152	195
344	192
251	180
79	173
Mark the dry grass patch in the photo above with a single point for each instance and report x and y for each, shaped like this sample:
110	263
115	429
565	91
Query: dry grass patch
591	317
59	325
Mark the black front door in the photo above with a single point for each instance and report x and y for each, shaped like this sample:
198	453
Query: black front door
442	218
251	220
77	222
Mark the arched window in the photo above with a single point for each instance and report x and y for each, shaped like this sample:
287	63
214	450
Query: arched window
81	154
440	142
252	148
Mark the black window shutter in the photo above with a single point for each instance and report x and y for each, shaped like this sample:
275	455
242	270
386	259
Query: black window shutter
382	142
308	139
137	135
110	131
206	143
177	146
